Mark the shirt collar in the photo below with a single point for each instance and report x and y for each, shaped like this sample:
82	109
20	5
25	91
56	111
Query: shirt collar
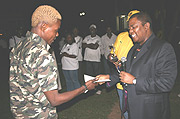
34	37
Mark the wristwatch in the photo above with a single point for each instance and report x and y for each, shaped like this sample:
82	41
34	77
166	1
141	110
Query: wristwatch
134	81
86	89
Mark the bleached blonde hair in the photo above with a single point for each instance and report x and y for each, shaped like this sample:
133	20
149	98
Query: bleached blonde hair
45	13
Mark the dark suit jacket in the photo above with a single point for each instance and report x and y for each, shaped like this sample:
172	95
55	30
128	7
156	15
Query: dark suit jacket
155	69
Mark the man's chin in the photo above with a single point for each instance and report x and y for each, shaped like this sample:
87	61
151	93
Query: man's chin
134	39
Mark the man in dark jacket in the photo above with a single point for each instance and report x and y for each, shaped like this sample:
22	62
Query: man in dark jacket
151	70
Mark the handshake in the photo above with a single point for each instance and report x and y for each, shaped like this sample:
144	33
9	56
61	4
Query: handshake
124	77
101	79
92	82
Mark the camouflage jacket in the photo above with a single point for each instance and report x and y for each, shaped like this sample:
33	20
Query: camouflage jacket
32	71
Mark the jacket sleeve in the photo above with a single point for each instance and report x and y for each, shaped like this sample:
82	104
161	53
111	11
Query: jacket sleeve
114	79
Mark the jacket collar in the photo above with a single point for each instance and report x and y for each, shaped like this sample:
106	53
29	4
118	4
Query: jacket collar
144	49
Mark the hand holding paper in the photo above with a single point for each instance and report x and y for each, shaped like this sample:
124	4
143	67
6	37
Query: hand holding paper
87	77
102	79
90	84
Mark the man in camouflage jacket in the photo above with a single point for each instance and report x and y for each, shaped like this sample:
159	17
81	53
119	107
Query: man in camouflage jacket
33	70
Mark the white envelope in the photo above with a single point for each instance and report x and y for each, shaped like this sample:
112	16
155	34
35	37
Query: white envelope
105	80
87	77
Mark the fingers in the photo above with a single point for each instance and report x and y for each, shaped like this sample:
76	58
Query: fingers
97	77
100	83
122	73
122	76
91	84
94	82
100	77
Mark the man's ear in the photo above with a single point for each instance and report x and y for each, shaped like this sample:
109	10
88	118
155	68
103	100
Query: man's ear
44	26
147	25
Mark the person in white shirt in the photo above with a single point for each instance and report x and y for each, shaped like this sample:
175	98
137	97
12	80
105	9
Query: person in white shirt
70	63
92	53
107	40
78	40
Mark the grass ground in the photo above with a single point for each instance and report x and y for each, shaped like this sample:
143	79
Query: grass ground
89	106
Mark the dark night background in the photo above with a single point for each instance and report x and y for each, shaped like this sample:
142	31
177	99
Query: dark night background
164	13
17	13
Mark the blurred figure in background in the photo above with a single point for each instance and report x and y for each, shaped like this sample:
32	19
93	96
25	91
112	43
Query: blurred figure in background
78	40
92	53
14	40
69	61
107	40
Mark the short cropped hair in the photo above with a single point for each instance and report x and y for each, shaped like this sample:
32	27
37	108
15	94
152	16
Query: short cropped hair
143	17
45	13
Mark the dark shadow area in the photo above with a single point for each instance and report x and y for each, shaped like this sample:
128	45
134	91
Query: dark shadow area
4	85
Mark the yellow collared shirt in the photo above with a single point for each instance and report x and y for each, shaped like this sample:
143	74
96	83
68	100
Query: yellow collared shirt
122	46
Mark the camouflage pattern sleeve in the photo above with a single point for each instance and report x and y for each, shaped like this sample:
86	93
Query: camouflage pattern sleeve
44	69
47	72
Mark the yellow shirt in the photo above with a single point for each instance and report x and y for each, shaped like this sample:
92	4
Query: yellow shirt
122	46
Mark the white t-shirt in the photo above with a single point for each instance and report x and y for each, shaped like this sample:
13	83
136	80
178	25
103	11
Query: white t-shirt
67	62
92	54
106	42
78	40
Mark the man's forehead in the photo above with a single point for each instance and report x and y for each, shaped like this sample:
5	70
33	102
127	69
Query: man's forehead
134	20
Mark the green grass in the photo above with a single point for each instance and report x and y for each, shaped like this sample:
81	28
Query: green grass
89	106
